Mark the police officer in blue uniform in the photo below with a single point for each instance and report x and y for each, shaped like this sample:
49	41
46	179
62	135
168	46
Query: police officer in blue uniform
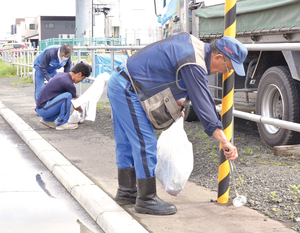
48	62
182	63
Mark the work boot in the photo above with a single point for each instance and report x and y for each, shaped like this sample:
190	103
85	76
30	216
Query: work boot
127	191
148	202
50	124
66	126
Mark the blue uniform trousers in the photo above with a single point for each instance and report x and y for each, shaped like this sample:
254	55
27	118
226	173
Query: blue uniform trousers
39	82
136	143
60	107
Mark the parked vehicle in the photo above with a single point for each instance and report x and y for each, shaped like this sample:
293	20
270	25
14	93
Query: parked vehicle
1	47
271	87
12	46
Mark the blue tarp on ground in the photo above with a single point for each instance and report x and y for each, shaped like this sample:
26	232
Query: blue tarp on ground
103	63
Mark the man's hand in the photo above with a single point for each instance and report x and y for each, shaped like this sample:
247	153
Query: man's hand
79	109
181	108
230	150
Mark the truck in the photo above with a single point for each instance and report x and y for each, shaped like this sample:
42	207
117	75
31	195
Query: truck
271	86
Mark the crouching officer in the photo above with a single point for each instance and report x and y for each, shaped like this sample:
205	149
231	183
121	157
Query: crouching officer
55	98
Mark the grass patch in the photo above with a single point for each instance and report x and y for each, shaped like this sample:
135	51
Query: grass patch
104	106
21	81
7	71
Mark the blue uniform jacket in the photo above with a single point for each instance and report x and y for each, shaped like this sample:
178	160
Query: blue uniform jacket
179	62
48	62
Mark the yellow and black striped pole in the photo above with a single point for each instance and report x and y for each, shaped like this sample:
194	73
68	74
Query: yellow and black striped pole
227	106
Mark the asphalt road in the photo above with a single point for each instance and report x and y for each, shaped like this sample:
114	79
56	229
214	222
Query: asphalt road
31	198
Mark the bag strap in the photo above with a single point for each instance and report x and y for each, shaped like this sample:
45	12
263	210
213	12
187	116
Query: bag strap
128	77
131	81
121	72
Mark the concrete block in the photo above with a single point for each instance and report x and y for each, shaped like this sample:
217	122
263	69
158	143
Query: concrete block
70	177
39	145
105	211
52	159
28	135
22	127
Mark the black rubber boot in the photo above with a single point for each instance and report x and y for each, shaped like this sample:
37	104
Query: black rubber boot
148	202
127	191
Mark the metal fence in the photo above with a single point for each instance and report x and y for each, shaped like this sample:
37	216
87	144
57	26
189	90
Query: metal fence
21	58
81	41
93	50
24	59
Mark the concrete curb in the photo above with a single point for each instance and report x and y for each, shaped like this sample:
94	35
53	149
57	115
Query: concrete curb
104	210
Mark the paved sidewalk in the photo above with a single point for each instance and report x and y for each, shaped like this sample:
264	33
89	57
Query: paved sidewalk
83	160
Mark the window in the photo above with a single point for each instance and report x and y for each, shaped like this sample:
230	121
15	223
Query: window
32	26
70	25
49	25
17	46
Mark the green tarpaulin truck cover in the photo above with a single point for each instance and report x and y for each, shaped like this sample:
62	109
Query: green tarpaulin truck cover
251	15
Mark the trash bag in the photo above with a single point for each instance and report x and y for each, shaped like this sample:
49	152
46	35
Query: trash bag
91	96
175	158
78	117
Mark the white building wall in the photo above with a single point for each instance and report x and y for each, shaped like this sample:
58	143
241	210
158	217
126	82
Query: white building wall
139	21
31	32
22	30
83	18
136	19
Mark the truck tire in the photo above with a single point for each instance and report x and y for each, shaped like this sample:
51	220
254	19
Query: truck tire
278	97
189	114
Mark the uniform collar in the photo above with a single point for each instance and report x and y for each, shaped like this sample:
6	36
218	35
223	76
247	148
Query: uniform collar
207	49
58	55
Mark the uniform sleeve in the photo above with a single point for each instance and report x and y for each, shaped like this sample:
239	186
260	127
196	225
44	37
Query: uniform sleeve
67	67
72	89
195	80
44	63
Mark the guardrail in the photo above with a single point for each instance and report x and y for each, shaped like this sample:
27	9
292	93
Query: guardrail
22	58
112	49
82	41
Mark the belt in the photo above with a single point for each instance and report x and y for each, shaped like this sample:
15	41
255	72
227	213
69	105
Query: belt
121	72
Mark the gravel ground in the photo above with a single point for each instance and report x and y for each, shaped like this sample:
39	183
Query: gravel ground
272	183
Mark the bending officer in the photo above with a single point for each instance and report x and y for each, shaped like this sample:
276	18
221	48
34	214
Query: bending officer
182	63
48	62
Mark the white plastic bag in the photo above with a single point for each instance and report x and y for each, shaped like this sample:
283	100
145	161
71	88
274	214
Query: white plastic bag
174	158
92	95
78	117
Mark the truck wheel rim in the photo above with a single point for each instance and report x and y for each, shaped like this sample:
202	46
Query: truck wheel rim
272	106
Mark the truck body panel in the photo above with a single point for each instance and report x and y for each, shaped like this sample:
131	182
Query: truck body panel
254	18
271	86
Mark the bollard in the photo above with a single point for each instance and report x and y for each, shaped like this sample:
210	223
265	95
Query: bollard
227	106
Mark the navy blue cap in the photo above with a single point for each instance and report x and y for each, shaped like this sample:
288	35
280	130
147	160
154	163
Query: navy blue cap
235	50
